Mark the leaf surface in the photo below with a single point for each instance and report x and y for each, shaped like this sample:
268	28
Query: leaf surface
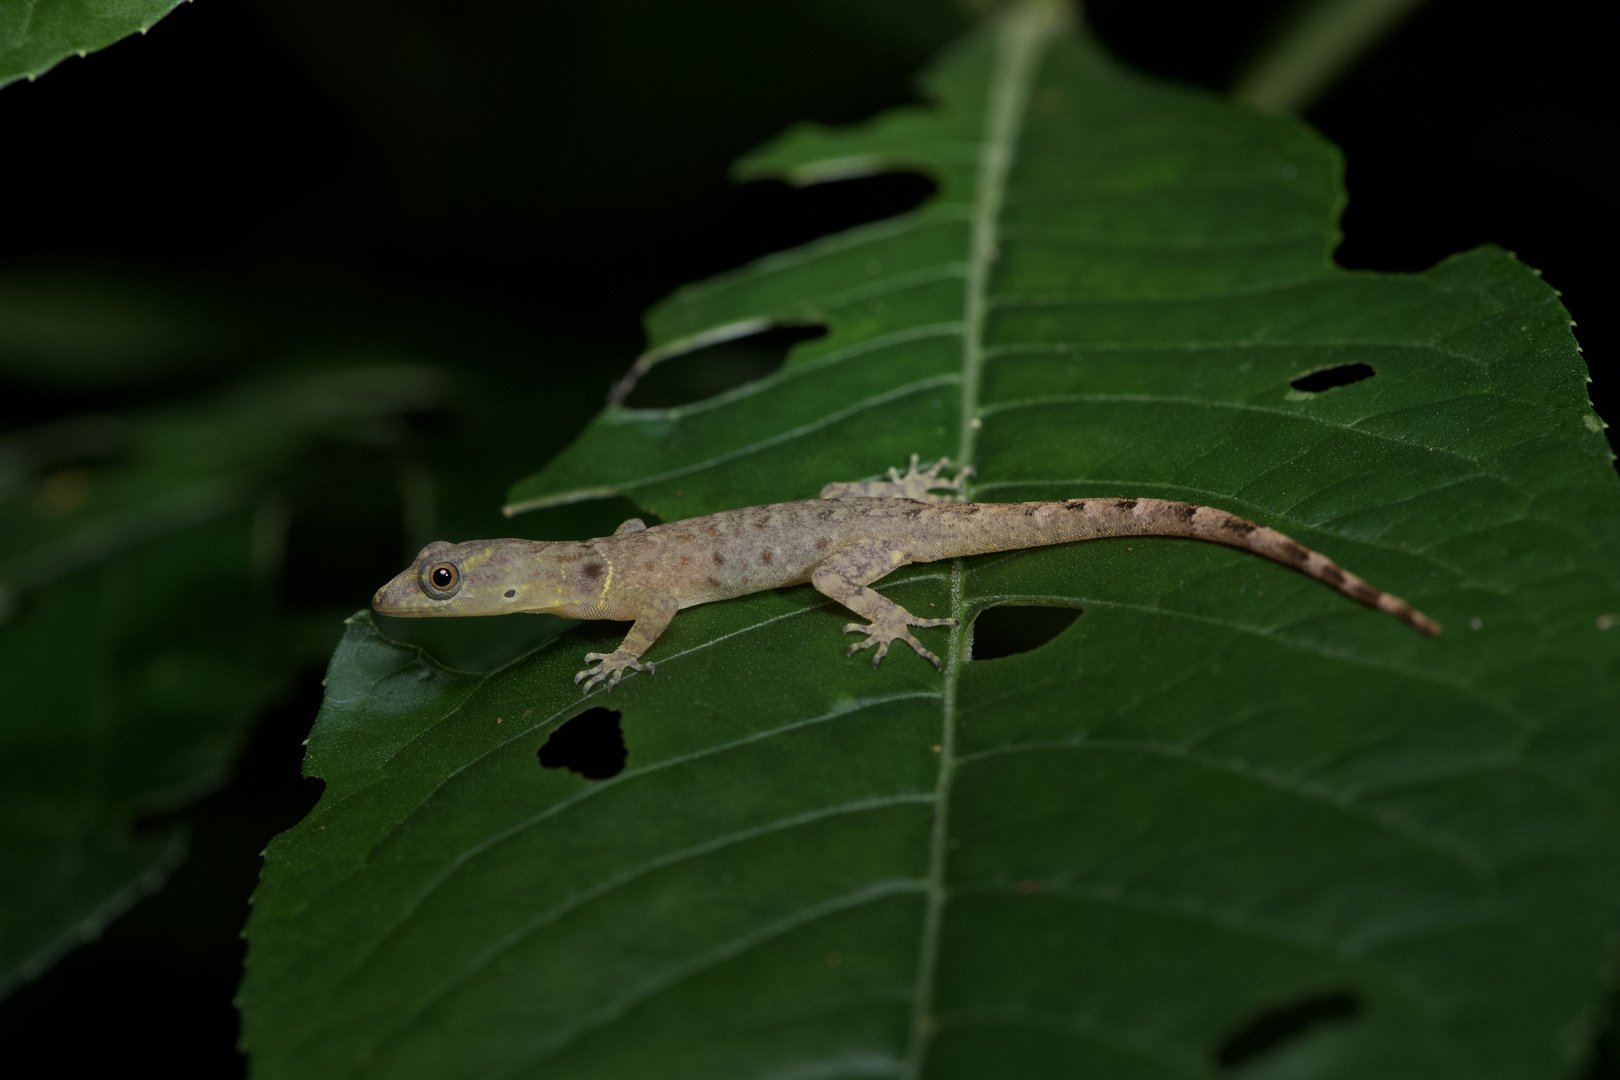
36	35
1222	794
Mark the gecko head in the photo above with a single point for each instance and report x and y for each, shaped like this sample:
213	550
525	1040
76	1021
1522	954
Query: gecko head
480	577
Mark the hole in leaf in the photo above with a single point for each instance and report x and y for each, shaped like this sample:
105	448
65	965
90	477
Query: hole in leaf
771	215
703	373
1008	629
1603	1059
1269	1030
1343	375
591	744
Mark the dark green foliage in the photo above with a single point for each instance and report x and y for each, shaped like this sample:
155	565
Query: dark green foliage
1222	797
139	556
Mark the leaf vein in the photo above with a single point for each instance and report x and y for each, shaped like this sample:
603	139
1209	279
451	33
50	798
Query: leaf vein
650	988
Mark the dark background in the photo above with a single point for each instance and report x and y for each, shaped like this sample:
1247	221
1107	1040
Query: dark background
503	188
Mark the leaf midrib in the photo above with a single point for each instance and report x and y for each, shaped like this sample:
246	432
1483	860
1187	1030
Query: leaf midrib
1020	44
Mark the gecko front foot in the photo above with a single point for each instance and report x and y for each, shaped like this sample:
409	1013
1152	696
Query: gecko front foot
612	668
890	627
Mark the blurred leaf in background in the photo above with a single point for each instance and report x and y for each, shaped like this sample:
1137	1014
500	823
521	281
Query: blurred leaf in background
78	331
140	557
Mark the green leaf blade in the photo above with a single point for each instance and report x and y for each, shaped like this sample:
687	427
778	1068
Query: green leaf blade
1222	791
411	978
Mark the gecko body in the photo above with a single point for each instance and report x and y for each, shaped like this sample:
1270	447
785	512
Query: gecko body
840	543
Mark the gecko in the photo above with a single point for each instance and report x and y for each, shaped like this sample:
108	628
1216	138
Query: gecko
840	543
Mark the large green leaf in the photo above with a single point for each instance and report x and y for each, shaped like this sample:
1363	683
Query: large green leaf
1227	819
139	633
36	35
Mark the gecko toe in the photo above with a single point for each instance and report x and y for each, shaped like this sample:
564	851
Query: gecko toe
610	670
927	654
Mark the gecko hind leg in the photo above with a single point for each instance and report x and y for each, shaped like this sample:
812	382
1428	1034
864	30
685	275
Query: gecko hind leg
844	578
887	629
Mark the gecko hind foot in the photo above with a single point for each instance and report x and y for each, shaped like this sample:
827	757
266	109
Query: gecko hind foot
885	631
929	479
917	485
612	668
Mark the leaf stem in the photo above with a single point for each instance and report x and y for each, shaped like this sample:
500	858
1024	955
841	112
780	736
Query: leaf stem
1319	42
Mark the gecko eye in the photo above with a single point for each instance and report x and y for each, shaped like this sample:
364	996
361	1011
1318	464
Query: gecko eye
441	580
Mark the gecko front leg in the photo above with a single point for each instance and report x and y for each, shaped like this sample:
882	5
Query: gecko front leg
845	576
915	485
653	610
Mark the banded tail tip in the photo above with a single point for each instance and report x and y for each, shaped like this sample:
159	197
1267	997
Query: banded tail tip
1411	616
1423	624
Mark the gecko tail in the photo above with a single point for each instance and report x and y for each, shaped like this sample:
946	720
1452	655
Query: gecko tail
1161	517
1209	523
1328	572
